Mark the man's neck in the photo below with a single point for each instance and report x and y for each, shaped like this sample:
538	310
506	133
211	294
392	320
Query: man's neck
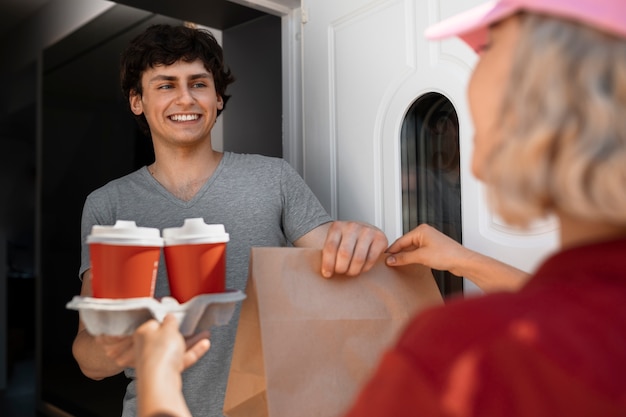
184	174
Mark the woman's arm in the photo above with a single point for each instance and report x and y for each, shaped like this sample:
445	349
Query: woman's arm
427	246
161	355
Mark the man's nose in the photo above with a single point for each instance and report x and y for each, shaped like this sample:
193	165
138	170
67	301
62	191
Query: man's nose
185	95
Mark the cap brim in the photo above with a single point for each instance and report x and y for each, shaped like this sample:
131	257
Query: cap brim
472	26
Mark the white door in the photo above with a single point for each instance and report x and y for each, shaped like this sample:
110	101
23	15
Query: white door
364	63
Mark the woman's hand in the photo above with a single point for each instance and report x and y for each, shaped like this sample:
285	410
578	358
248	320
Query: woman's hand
427	246
162	344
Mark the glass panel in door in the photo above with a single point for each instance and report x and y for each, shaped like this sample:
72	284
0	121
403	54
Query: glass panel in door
431	185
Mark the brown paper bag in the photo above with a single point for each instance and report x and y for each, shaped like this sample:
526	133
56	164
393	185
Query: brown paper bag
305	344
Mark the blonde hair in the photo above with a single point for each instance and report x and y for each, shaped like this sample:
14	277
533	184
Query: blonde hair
564	126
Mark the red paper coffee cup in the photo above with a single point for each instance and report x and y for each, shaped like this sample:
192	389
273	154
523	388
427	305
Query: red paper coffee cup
124	260
195	257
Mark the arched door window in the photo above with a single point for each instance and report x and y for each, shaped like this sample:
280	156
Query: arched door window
431	185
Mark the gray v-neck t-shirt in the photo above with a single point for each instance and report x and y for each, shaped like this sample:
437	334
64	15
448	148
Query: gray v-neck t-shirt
261	201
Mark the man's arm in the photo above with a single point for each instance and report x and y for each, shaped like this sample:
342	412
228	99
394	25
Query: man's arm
102	356
347	247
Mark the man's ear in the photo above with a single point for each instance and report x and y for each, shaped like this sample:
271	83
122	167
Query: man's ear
136	106
220	103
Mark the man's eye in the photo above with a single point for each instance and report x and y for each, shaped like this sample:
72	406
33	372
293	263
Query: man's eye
165	87
199	85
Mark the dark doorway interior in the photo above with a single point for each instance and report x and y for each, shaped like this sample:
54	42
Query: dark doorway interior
88	138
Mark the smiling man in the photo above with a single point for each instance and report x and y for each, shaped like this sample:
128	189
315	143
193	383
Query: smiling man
175	80
181	105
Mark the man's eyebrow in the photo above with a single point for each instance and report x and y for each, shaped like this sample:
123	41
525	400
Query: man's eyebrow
162	77
201	75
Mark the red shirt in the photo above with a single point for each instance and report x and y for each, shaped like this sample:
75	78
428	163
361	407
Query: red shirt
556	348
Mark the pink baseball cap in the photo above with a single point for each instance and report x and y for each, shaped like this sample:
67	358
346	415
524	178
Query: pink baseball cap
472	26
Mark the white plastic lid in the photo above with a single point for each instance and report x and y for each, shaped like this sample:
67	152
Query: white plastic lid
195	231
125	232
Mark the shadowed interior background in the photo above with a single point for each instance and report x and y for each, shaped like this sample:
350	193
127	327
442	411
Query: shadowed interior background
64	131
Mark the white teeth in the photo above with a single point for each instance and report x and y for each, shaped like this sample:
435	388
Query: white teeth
184	117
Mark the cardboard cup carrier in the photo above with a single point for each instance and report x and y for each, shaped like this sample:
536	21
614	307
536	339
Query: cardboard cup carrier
195	257
124	266
124	260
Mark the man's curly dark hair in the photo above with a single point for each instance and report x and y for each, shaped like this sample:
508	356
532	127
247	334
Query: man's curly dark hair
165	45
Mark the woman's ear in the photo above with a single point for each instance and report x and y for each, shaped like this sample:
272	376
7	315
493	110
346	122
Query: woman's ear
136	106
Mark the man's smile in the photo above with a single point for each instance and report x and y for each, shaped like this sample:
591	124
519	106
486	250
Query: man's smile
184	117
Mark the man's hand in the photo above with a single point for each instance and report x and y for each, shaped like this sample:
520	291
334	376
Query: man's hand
347	247
118	349
351	248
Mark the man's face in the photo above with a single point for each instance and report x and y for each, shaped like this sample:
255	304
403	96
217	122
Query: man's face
179	102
